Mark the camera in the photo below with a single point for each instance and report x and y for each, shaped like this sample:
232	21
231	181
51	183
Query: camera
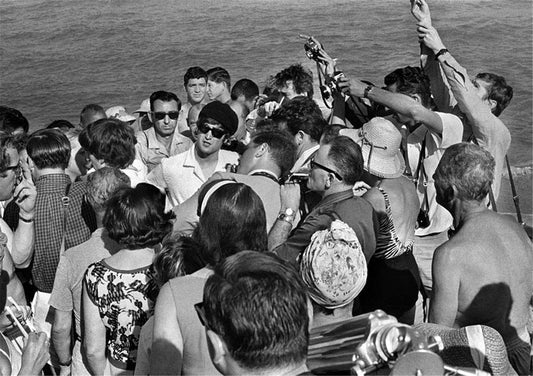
312	48
298	178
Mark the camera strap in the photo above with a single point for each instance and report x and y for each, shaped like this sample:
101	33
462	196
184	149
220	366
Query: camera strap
420	170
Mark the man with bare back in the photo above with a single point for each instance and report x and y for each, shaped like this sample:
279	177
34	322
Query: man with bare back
483	274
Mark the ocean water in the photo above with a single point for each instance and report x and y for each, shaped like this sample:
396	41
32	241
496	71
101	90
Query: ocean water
57	56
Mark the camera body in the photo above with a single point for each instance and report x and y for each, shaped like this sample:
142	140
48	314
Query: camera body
312	49
423	221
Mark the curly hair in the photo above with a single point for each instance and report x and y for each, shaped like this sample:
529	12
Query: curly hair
301	78
135	217
7	141
301	114
499	91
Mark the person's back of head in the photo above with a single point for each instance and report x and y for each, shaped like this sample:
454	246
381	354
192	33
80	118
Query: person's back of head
135	217
194	73
335	252
465	171
245	88
12	120
61	124
410	81
346	156
110	141
498	91
102	184
301	114
255	306
48	148
91	113
218	75
281	149
301	78
232	219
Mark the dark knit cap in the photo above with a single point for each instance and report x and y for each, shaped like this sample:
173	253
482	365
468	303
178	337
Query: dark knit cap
223	114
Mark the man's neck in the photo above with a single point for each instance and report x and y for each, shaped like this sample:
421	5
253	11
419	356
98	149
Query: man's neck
205	158
165	140
290	370
335	188
225	97
48	171
267	166
305	146
465	211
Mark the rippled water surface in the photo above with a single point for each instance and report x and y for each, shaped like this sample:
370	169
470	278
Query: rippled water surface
56	56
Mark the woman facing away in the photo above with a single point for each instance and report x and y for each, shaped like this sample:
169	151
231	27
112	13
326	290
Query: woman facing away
232	219
393	280
119	292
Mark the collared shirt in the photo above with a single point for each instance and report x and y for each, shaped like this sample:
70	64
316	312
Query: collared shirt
355	211
151	151
305	159
49	224
181	175
452	133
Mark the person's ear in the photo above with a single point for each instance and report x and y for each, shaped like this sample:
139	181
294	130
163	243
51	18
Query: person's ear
299	137
261	150
450	193
218	349
492	104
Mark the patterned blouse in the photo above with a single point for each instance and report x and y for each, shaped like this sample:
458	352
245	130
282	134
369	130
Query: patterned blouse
125	300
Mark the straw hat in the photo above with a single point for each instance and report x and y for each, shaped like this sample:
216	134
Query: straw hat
333	266
485	350
380	144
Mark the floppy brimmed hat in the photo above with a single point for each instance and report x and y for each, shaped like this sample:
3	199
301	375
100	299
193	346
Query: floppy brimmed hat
380	144
145	106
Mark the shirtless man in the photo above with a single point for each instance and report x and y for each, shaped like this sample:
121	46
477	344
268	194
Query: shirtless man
483	274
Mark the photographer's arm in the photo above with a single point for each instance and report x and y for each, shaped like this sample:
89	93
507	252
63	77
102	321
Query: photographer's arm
477	111
399	103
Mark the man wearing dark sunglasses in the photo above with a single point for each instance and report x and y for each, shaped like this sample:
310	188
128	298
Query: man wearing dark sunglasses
162	140
183	174
335	168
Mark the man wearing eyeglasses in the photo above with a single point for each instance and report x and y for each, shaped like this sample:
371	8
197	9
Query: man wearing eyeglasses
162	140
183	174
335	169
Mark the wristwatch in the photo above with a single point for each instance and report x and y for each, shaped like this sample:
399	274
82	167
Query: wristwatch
287	215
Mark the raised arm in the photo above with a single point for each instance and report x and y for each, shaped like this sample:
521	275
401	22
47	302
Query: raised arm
24	237
440	89
405	105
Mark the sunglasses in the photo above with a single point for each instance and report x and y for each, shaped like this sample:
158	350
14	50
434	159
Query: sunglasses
161	115
216	132
315	165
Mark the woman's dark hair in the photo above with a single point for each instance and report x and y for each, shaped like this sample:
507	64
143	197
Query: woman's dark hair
233	220
135	217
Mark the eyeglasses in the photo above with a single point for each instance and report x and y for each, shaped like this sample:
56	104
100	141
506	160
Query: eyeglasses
161	115
315	165
216	132
199	308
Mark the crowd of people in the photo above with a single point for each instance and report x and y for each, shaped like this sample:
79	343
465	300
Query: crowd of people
210	236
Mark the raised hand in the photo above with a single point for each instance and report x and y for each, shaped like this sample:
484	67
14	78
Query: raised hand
430	37
420	10
25	193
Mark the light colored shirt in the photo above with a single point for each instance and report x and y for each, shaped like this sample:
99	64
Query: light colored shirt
452	133
181	175
151	151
